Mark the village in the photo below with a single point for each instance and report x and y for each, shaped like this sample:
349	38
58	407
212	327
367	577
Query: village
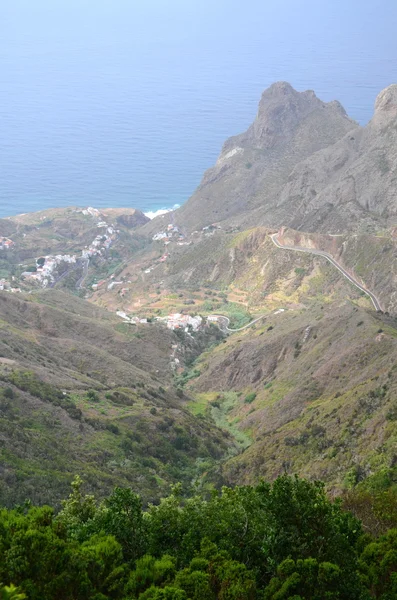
187	323
48	267
49	270
173	234
102	241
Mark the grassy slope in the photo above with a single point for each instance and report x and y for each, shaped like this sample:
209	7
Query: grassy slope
318	401
325	405
137	432
370	257
320	407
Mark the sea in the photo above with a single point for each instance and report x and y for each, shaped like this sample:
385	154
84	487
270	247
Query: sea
125	103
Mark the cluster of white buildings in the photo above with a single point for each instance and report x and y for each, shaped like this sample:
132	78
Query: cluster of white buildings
172	233
93	212
185	322
44	273
113	284
102	242
5	286
128	319
175	321
208	229
6	243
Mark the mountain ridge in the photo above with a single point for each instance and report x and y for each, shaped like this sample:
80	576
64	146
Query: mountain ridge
304	164
267	398
289	125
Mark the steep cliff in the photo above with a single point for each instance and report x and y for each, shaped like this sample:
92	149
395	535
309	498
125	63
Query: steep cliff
254	166
350	185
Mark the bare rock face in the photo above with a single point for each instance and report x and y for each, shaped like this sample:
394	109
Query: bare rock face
127	217
387	100
303	163
254	166
349	185
281	110
132	221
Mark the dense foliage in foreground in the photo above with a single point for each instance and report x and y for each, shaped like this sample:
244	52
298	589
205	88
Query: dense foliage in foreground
272	542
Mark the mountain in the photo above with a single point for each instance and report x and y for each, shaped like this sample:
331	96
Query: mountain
303	163
351	184
254	166
309	388
295	374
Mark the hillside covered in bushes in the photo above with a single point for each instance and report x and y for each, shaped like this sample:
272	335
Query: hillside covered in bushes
277	541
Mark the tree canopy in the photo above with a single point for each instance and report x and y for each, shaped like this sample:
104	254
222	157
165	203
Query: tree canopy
277	541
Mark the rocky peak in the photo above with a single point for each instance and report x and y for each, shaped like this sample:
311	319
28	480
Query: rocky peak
255	165
281	110
131	221
336	105
385	107
387	100
280	88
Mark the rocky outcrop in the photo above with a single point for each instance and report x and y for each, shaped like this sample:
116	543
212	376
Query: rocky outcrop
350	185
254	166
305	164
133	221
125	217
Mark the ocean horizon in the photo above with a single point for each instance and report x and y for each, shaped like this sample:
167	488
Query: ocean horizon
126	104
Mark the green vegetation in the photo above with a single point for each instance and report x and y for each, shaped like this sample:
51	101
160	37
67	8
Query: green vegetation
220	412
79	396
29	382
115	438
250	398
187	375
281	541
92	396
237	313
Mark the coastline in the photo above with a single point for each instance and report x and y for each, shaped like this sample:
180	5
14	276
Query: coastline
151	214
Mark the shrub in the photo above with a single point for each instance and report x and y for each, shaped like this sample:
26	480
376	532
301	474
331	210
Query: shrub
250	398
8	393
112	428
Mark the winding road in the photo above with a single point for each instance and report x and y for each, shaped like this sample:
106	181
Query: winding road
227	321
333	262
